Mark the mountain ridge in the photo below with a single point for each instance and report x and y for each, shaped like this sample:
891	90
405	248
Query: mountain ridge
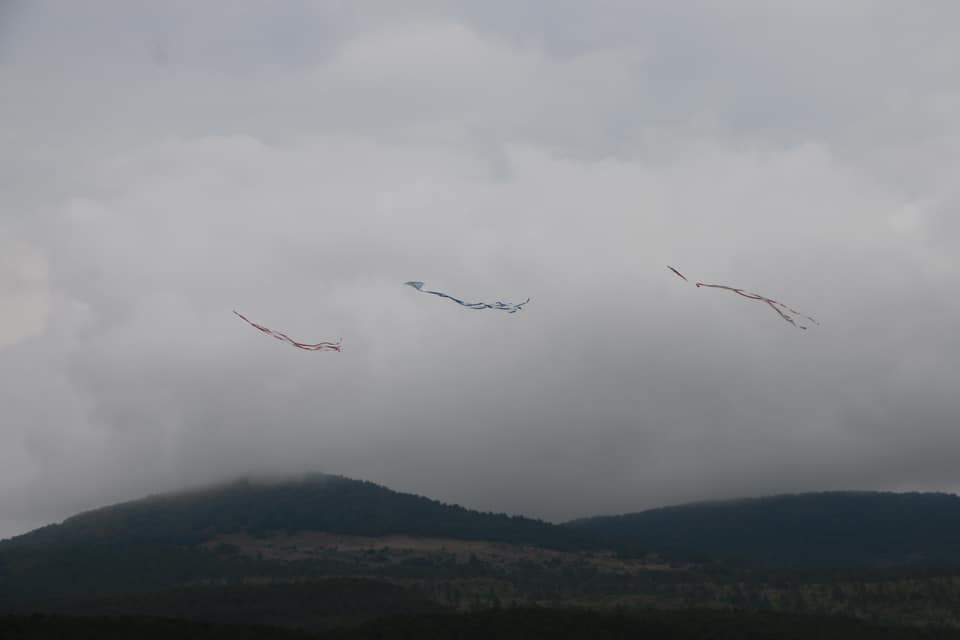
855	527
290	545
883	528
321	502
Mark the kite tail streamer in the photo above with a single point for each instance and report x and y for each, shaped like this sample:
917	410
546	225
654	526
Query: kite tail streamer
509	307
779	307
787	313
317	346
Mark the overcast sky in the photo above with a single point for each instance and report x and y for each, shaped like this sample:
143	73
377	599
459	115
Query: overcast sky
164	163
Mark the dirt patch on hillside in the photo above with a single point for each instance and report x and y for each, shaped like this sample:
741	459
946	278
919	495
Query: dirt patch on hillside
397	548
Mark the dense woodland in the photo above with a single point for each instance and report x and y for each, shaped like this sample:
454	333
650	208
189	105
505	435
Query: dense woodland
812	529
314	502
248	553
504	624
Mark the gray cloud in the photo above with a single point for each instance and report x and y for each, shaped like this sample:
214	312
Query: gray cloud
299	162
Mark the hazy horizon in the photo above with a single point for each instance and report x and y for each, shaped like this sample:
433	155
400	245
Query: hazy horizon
165	165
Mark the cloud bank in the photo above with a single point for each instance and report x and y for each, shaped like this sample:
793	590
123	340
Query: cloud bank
299	161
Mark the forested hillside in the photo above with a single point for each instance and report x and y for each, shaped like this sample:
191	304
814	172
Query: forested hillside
812	529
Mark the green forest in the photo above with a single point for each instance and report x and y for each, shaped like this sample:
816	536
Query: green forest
326	554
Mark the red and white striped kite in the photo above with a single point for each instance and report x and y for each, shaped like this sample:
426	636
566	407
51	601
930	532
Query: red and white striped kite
319	346
785	312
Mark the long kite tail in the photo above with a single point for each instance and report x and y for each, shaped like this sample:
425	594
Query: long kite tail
787	313
317	346
739	292
509	307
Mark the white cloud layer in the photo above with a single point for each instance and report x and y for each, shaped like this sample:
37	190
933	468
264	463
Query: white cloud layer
166	164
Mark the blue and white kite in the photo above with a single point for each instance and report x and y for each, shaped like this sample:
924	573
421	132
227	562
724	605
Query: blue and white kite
509	307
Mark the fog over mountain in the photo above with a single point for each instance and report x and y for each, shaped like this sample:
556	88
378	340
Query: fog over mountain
166	163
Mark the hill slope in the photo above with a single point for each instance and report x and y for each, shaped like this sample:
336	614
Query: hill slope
257	552
227	533
311	503
812	529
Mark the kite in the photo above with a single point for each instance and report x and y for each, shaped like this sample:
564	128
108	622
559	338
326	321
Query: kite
319	346
790	315
509	307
